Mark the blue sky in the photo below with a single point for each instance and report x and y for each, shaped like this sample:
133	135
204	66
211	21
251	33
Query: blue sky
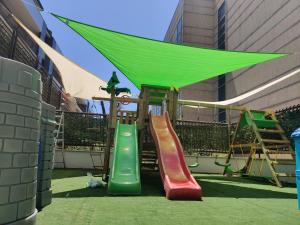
147	18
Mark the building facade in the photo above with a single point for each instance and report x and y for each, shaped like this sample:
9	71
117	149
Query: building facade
241	25
17	45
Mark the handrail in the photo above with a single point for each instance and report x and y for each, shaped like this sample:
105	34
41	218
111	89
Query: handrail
210	105
117	99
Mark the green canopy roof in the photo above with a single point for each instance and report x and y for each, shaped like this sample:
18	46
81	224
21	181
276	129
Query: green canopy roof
151	62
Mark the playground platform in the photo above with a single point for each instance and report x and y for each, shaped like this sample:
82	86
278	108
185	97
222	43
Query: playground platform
227	200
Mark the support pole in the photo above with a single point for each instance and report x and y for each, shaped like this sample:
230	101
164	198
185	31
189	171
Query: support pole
110	131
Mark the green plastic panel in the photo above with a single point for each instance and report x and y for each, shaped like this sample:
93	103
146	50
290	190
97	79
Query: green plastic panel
124	176
152	62
259	119
265	123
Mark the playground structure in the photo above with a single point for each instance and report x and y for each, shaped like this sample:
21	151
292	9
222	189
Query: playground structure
274	149
124	171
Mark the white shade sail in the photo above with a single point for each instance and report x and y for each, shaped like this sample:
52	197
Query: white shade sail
77	81
250	93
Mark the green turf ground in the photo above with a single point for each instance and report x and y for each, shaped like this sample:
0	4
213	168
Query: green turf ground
227	201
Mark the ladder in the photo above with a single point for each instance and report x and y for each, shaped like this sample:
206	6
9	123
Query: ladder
270	141
59	140
149	158
92	155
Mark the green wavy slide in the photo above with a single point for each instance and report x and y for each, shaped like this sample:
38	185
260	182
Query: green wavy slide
124	176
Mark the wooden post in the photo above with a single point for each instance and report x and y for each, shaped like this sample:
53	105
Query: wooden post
175	102
110	131
172	97
142	111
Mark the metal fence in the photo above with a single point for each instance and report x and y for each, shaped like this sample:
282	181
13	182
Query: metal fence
202	137
85	129
289	119
16	44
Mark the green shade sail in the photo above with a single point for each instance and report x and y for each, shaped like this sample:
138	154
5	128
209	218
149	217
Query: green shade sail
152	62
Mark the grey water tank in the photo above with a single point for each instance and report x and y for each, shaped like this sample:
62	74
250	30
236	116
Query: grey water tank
45	162
20	110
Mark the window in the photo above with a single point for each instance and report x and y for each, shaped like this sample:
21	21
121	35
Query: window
221	45
179	31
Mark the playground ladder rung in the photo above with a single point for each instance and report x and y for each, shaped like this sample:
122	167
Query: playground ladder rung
148	160
149	150
149	169
285	174
244	146
146	155
289	162
279	152
149	163
275	147
98	167
270	131
273	141
259	147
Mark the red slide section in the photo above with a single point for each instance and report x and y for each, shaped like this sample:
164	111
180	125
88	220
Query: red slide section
177	179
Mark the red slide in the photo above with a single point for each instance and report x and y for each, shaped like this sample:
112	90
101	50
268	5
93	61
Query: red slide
177	179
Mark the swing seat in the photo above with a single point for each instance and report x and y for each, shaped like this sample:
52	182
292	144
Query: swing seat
224	165
193	165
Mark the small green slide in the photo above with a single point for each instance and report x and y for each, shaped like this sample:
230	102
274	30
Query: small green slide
124	178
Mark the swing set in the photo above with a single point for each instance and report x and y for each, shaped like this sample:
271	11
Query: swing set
258	147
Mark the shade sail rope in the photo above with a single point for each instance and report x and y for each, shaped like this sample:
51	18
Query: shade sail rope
157	63
77	81
248	94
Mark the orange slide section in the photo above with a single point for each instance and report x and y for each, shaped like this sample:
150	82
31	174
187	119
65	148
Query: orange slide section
177	179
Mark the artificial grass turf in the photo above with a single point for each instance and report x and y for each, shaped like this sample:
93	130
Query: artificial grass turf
226	201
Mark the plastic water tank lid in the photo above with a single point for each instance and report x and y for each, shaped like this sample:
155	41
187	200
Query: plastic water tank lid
296	133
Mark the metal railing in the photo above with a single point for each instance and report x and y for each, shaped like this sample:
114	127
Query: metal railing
203	137
85	129
6	34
